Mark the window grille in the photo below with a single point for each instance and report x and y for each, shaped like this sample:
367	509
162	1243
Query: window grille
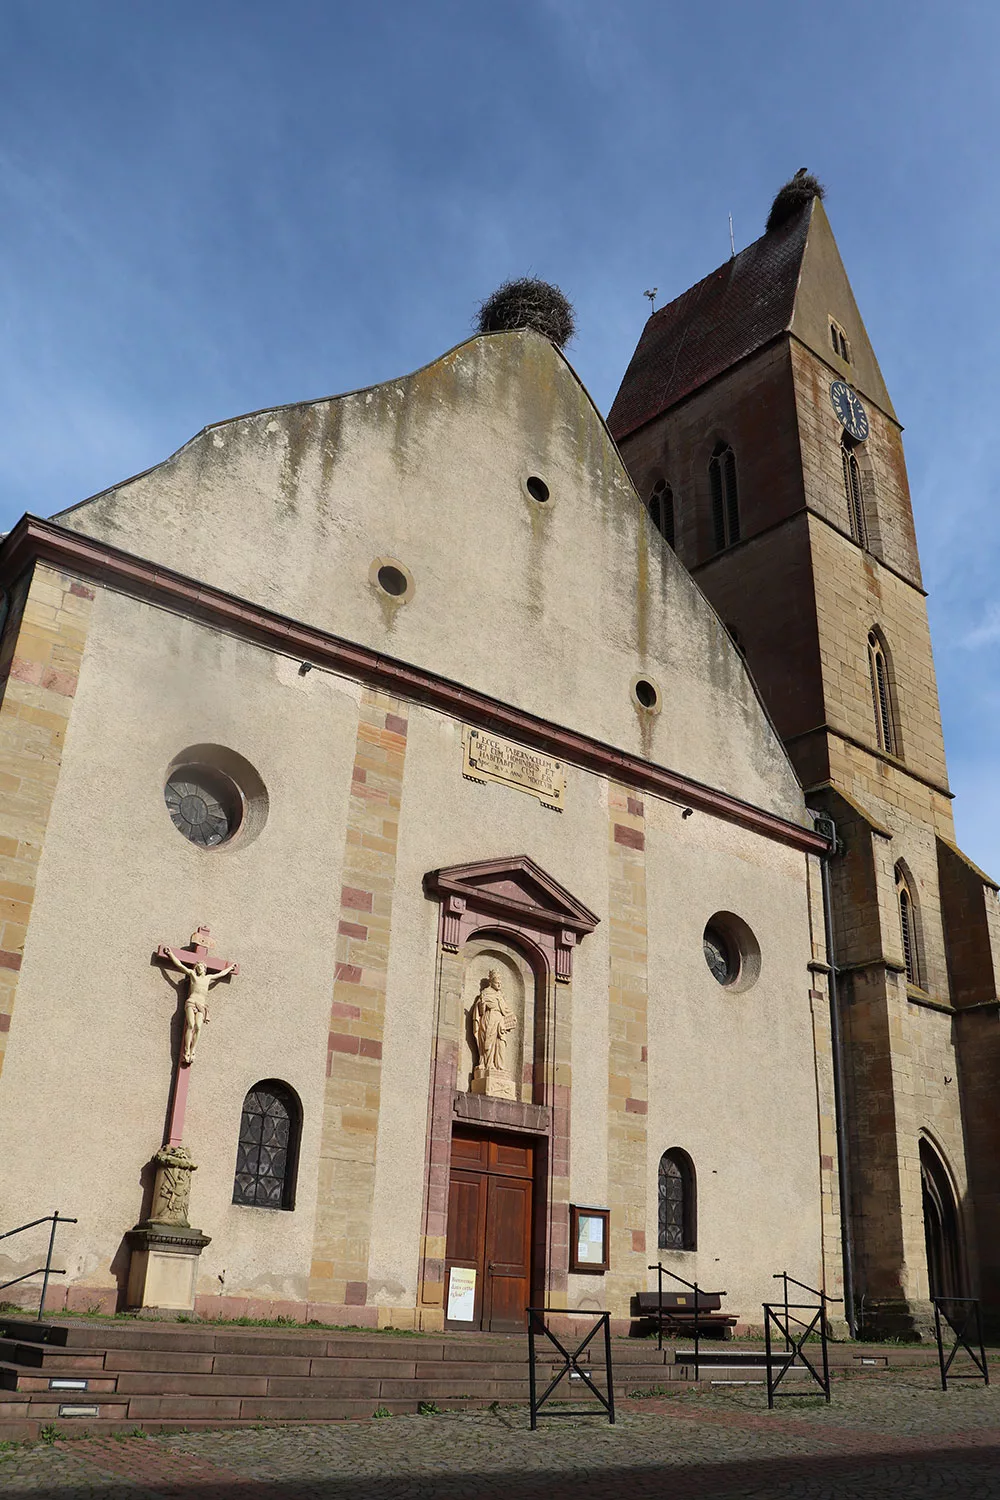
267	1154
907	927
676	1202
855	495
661	510
878	670
725	497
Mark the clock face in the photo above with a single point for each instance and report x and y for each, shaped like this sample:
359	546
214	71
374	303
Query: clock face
852	414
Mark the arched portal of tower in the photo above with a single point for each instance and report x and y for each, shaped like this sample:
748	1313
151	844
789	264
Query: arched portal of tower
941	1226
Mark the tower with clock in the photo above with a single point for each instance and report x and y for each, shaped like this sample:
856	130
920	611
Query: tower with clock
756	401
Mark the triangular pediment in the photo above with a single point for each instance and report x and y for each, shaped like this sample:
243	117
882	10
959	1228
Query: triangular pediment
516	888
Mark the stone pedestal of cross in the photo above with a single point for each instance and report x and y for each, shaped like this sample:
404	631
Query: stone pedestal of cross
197	954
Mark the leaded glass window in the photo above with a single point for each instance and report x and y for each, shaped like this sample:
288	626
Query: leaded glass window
204	805
676	1202
268	1147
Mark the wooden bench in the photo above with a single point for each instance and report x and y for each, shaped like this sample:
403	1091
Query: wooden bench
675	1313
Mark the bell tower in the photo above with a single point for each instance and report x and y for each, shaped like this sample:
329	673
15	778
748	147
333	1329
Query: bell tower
758	430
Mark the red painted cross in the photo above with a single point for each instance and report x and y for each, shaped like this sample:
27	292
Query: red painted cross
201	942
197	953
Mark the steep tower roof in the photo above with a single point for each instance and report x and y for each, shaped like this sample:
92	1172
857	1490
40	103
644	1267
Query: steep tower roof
791	279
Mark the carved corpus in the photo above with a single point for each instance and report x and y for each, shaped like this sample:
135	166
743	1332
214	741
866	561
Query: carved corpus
513	894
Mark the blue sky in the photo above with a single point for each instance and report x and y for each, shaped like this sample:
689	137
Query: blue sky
216	206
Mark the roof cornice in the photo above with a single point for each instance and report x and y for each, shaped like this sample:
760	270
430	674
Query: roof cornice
36	540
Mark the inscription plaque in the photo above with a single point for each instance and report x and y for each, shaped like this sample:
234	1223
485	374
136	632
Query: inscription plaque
488	758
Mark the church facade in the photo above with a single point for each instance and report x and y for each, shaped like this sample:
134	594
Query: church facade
412	908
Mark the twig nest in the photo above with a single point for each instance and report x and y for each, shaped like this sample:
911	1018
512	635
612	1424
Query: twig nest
528	303
797	193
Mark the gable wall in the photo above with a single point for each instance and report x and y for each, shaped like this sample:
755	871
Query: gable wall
552	607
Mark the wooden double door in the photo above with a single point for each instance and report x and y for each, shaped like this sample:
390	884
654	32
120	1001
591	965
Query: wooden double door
490	1229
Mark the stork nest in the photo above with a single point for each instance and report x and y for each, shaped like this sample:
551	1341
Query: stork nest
797	193
528	303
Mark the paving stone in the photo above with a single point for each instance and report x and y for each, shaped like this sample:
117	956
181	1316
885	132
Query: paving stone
877	1440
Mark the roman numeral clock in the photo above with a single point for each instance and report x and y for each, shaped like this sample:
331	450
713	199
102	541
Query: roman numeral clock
851	414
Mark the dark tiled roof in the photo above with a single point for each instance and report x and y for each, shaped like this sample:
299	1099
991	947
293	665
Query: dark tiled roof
736	310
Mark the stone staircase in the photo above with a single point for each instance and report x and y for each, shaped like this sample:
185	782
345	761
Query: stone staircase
117	1376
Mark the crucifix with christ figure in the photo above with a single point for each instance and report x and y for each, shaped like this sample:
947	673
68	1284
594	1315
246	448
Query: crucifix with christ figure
202	972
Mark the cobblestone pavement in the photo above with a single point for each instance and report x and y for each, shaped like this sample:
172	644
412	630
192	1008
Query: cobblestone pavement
879	1438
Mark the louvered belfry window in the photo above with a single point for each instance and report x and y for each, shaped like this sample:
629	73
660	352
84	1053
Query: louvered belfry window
907	927
855	495
268	1147
661	510
676	1208
725	499
878	670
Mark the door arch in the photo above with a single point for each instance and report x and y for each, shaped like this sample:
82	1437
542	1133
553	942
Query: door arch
941	1226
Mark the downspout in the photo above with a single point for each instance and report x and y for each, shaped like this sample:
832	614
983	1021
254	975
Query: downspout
826	826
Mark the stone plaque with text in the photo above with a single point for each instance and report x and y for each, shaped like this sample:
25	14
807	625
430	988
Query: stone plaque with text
488	758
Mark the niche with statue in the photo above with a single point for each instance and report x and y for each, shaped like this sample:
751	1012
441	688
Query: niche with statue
498	1037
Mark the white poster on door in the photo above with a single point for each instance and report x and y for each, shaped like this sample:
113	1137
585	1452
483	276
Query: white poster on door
462	1294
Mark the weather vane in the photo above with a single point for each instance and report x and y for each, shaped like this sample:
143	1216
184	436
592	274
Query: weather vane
652	298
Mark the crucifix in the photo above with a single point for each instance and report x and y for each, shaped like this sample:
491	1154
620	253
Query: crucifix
202	972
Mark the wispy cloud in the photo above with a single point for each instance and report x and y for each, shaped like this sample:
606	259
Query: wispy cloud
986	633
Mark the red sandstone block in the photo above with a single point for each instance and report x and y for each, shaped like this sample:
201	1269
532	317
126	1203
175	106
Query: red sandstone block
339	1042
634	838
636	1106
395	724
359	774
370	1048
356	1294
25	671
63	683
635	807
347	973
352	929
4	1022
81	590
355	899
639	1241
9	960
347	1012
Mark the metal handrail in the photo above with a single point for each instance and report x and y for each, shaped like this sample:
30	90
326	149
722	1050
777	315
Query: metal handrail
662	1271
824	1297
55	1219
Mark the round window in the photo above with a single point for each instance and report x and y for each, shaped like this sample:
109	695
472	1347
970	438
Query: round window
204	804
731	952
719	956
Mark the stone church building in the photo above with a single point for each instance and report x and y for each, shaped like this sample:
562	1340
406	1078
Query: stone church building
548	818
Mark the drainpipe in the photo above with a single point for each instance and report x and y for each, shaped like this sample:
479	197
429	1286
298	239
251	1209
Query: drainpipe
826	826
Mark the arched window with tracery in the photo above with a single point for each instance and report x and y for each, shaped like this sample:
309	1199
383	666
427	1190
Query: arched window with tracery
661	510
908	927
267	1155
854	493
725	497
878	671
677	1221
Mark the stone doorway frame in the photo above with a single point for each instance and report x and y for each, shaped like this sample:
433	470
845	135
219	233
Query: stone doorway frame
514	902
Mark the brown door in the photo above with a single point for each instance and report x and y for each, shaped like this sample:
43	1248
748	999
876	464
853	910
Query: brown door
489	1227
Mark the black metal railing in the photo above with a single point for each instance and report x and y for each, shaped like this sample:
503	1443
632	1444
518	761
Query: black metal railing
787	1281
699	1292
570	1363
795	1333
971	1315
55	1219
